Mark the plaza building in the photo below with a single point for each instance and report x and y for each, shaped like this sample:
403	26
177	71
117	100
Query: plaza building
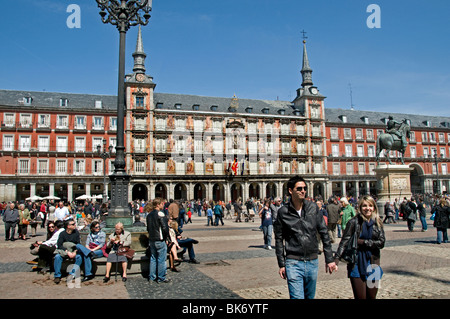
195	147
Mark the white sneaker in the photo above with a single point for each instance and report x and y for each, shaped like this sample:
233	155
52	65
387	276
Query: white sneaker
269	247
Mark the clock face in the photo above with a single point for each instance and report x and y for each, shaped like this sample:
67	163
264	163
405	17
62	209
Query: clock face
313	91
140	77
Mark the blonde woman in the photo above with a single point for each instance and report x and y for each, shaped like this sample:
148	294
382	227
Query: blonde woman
120	237
365	273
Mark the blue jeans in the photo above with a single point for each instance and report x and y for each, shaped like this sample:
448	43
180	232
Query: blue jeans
58	263
442	235
423	220
267	231
158	258
302	278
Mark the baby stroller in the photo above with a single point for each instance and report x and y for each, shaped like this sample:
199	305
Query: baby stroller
249	216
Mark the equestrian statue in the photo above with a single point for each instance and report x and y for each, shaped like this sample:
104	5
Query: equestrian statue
394	139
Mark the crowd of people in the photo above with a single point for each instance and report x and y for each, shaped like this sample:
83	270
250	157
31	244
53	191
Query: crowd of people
356	222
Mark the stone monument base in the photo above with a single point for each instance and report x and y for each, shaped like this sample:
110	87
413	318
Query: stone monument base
393	181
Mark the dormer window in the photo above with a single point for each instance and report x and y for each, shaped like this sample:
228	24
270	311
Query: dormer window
178	106
265	110
140	101
249	109
427	123
63	102
98	104
282	112
213	107
195	107
365	119
159	105
27	100
297	112
343	118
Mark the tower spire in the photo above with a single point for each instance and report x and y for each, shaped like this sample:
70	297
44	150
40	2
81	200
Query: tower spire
139	55
306	69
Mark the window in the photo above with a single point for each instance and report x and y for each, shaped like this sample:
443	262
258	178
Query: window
63	102
80	144
9	119
441	138
139	167
315	112
42	166
27	100
78	167
371	150
348	151
8	142
336	169
412	137
424	137
139	145
360	150
43	121
24	143
98	123
361	169
24	166
347	134
61	167
359	134
198	125
80	122
444	168
96	141
251	127
25	120
98	104
61	144
369	134
113	123
113	143
433	137
425	152
413	152
335	150
160	146
160	124
334	133
349	167
43	143
62	122
442	152
97	167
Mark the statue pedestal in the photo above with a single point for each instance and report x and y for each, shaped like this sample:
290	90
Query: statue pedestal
393	181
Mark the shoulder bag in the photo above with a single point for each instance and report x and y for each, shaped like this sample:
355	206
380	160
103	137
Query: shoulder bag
349	254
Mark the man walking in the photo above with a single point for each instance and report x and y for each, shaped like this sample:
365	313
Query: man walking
11	219
296	241
333	218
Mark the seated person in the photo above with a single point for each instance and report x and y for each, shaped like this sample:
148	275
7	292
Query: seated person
172	247
96	241
69	235
187	244
46	249
119	238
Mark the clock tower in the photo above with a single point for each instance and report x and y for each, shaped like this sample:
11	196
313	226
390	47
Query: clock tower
310	103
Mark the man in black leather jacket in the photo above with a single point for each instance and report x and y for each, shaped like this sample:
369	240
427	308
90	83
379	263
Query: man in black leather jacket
158	235
297	244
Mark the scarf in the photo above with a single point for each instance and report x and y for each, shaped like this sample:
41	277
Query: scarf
364	255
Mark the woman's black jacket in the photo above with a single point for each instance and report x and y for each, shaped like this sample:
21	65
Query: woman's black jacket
374	244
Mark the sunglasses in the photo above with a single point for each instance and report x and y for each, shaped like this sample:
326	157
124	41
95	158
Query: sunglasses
301	188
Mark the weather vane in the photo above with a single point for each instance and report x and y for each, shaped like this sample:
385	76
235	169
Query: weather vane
304	36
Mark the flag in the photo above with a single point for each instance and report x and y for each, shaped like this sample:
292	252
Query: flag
242	170
234	167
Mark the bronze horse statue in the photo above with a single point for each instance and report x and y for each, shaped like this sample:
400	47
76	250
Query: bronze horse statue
387	142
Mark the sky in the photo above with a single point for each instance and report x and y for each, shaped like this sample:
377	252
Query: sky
251	48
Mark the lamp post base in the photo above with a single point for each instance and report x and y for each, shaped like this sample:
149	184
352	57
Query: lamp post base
119	210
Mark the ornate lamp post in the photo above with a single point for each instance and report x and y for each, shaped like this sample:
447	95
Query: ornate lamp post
104	155
123	14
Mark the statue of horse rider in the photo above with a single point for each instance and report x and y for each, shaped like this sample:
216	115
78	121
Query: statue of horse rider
393	130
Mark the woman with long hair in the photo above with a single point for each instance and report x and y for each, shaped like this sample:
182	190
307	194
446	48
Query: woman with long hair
365	273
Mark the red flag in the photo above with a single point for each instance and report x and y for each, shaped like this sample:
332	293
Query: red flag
234	167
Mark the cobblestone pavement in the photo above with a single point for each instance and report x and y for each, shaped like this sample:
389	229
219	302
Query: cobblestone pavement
234	265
